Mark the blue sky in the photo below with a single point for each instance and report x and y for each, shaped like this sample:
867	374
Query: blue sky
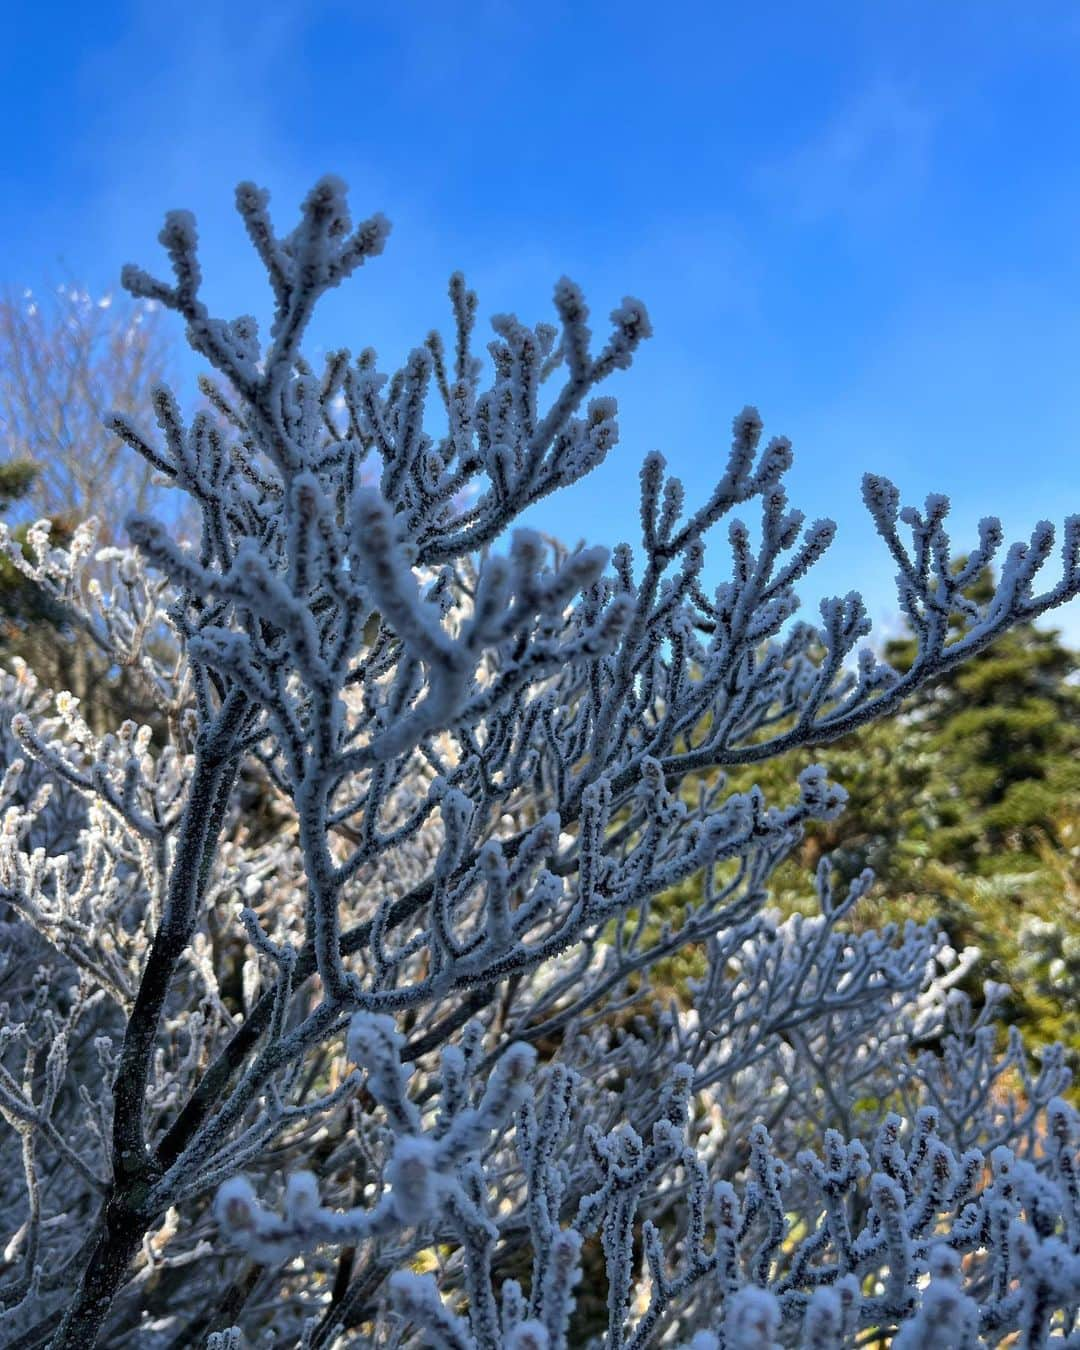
863	217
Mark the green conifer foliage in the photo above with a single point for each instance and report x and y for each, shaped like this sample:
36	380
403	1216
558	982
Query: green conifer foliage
22	604
967	807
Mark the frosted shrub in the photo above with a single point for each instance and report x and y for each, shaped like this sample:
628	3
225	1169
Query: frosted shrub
328	1018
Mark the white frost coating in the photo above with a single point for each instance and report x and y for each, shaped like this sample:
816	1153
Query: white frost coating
752	1320
345	960
412	1174
529	1335
947	1318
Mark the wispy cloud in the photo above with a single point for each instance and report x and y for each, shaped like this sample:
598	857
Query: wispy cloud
866	159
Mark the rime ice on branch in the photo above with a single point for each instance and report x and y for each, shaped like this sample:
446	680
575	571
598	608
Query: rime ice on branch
482	758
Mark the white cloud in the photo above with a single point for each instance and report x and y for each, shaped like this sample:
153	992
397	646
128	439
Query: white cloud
865	160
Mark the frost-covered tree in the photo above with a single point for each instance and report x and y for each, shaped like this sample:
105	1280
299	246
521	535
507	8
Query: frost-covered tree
66	358
378	1065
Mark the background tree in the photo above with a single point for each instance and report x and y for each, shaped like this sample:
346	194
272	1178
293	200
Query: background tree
21	601
967	808
16	477
990	836
65	360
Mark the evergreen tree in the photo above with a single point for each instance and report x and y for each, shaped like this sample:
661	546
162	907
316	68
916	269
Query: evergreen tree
967	808
1002	736
16	477
23	605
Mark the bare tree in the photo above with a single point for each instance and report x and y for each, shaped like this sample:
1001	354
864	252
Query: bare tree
66	359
